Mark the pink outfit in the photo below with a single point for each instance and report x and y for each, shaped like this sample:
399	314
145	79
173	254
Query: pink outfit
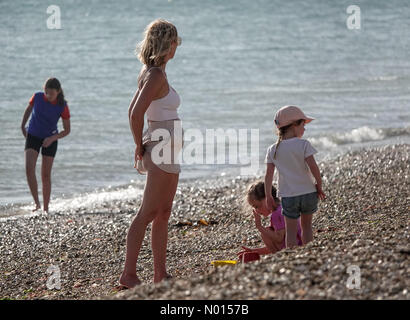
277	222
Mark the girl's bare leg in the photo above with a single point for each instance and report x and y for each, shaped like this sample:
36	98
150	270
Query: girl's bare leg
31	156
46	166
306	225
291	232
271	240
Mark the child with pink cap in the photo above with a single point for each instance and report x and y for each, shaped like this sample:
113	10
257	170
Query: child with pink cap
299	182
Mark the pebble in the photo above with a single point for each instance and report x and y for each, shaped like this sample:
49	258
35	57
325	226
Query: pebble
361	223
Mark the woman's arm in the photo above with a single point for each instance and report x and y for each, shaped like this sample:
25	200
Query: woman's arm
26	115
66	131
132	104
155	80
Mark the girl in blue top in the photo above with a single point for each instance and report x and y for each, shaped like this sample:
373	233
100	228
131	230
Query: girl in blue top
45	109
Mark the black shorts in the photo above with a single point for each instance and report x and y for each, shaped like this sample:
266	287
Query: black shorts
32	142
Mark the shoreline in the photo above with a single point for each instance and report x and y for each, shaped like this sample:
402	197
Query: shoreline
363	222
21	209
228	173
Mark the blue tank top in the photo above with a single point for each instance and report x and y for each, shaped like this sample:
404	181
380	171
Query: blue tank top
44	117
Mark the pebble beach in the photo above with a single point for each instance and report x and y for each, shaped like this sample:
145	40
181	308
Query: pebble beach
363	223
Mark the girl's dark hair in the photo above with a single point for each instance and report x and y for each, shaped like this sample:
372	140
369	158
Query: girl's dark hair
256	191
53	83
281	132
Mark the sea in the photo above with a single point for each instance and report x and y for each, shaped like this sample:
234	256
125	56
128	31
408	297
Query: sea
344	63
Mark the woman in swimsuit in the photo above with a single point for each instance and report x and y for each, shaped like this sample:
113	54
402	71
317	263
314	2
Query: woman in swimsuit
156	98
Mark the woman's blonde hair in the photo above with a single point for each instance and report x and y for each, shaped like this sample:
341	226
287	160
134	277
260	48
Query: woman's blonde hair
158	37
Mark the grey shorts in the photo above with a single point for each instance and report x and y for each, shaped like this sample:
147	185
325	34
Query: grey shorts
292	207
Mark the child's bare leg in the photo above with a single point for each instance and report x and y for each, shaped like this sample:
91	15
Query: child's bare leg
306	225
46	166
31	156
273	240
275	247
291	232
268	240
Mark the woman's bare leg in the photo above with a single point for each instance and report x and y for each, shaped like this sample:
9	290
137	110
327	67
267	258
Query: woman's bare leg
159	231
157	189
46	166
31	156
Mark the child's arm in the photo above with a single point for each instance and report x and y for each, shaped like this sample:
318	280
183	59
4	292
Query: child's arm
269	237
26	115
66	130
270	169
316	173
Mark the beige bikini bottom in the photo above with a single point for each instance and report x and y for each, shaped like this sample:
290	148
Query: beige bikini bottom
162	142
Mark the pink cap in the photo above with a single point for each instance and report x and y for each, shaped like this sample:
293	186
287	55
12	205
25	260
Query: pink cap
288	114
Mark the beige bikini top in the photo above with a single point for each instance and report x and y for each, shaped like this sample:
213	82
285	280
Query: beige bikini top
164	108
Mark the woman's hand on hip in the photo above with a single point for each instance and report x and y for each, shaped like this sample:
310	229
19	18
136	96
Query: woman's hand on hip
139	152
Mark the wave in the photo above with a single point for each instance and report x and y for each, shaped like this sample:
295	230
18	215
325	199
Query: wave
94	199
89	201
358	135
383	78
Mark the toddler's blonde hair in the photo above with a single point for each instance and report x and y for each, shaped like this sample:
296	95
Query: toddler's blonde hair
256	191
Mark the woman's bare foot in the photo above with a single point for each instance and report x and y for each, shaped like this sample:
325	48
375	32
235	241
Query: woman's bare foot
129	281
38	206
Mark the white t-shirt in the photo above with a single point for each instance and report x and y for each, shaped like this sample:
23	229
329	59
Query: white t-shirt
295	177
